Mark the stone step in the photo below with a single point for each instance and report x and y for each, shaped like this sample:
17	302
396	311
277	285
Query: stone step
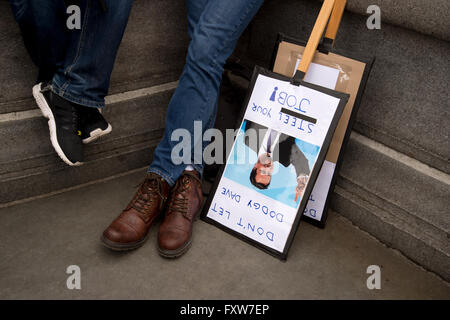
402	202
30	167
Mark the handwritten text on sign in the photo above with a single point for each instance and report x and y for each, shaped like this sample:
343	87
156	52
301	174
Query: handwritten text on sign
271	95
252	214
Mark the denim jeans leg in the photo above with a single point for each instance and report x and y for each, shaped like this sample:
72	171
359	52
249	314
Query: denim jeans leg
42	25
84	78
194	12
213	40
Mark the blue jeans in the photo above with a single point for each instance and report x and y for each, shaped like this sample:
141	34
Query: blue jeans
78	62
214	28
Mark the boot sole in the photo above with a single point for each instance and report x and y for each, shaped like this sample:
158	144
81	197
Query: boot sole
172	254
97	133
116	246
47	113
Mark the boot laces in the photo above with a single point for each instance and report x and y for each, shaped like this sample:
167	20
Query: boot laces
146	194
179	203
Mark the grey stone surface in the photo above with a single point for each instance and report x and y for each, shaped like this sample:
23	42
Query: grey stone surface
386	227
402	207
17	72
152	52
429	17
406	101
29	166
51	178
383	177
40	239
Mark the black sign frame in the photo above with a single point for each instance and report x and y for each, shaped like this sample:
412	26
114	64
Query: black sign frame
314	173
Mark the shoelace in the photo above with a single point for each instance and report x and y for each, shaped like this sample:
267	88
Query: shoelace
180	202
143	197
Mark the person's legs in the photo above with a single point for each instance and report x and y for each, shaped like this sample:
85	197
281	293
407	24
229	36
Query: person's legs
42	24
214	28
84	77
213	40
81	80
79	61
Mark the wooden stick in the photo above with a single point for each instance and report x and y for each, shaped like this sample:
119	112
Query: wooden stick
335	19
316	35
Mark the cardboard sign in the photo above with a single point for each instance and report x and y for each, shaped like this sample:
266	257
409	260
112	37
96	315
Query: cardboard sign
335	71
280	145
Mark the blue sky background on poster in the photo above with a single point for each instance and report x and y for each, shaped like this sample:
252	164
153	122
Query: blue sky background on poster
284	179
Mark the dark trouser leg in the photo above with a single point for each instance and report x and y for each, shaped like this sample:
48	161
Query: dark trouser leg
213	40
42	24
91	52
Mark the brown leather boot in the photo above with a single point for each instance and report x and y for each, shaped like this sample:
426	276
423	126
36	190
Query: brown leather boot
130	229
175	233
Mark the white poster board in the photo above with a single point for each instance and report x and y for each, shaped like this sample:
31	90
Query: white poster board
326	77
265	184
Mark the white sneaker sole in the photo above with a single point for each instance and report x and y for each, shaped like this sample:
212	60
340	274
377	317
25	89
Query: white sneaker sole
47	113
97	133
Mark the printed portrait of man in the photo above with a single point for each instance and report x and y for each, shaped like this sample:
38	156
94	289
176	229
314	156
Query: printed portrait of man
272	146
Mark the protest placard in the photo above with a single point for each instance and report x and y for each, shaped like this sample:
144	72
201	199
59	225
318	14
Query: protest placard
281	143
334	69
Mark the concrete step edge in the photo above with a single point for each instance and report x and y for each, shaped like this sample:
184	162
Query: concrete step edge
33	112
371	218
125	137
51	179
403	146
22	167
75	187
403	158
423	230
352	183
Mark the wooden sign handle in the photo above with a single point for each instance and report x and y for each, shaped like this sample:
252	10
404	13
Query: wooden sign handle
314	38
335	20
